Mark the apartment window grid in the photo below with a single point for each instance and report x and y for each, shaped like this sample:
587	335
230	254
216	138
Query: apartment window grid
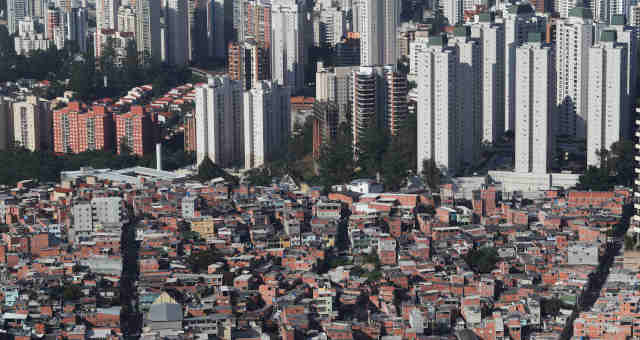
24	126
91	139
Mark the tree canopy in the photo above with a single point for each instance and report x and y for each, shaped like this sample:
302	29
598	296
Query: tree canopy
207	170
482	260
616	168
431	174
336	163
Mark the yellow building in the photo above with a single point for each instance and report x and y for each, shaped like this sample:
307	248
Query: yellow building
204	226
164	298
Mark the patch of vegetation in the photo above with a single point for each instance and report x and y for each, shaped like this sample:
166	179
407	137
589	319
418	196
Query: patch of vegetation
482	260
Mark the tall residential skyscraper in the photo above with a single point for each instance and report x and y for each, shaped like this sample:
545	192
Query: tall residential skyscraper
334	84
378	37
267	117
77	27
252	20
437	106
519	21
604	10
491	36
634	16
468	87
248	63
607	95
219	127
5	129
628	36
574	37
126	19
219	32
177	22
325	125
288	45
452	10
52	21
535	103
206	29
148	30
107	14
396	90
16	11
329	26
380	98
31	123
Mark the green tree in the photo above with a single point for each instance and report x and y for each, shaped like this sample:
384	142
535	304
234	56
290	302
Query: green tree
595	178
616	168
336	163
80	83
125	148
551	307
394	166
629	242
72	293
431	174
371	148
207	170
200	261
482	260
621	162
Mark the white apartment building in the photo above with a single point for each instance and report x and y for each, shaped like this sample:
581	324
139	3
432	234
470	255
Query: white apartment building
108	211
604	10
628	36
219	125
148	30
288	45
635	219
334	84
5	129
178	41
562	7
468	90
26	44
329	26
491	36
634	16
378	20
30	37
453	10
82	218
126	19
437	106
267	117
535	105
16	11
519	21
415	48
107	14
32	120
607	95
574	37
